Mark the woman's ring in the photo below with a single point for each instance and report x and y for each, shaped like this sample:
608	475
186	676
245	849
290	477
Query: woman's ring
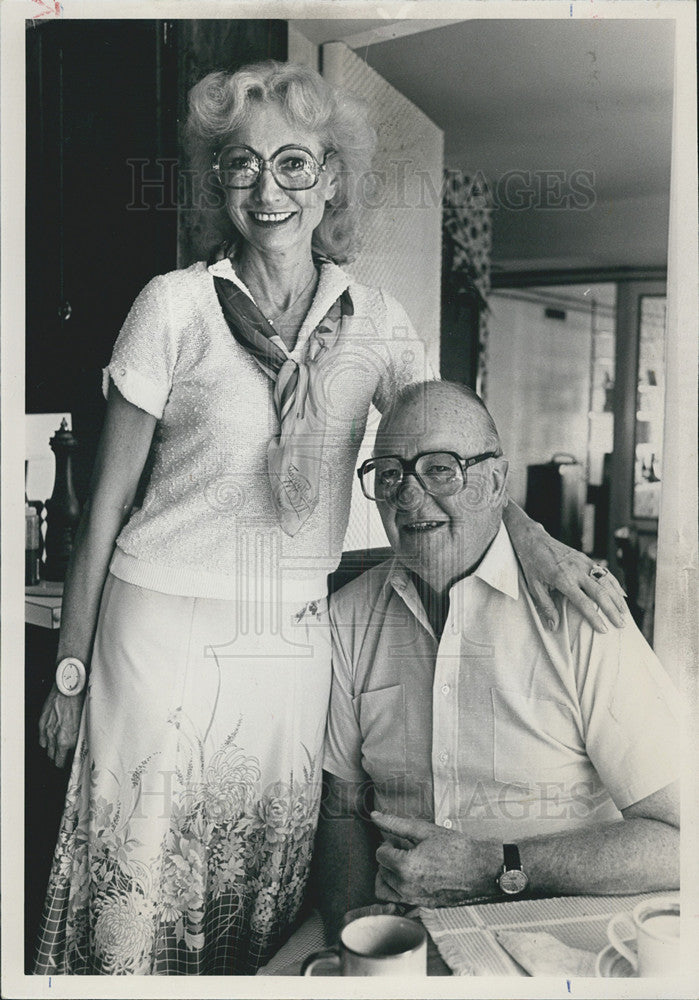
598	572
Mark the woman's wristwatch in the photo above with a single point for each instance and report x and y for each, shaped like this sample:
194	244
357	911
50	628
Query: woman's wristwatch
70	676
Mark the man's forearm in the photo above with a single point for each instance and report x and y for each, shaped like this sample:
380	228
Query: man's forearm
636	855
446	867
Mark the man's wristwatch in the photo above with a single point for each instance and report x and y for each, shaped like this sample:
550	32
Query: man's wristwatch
512	880
70	676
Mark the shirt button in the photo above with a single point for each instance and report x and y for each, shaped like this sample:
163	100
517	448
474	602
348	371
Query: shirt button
447	824
445	689
444	756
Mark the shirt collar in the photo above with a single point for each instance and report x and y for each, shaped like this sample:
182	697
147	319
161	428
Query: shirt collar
397	576
332	282
399	579
498	568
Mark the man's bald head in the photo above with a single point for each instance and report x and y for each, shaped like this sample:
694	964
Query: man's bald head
447	407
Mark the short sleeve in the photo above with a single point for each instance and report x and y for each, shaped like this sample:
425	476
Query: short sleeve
406	355
143	360
343	739
630	710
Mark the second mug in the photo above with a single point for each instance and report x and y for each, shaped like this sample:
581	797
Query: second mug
657	945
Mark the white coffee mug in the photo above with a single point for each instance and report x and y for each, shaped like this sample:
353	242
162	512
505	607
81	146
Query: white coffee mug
657	925
378	945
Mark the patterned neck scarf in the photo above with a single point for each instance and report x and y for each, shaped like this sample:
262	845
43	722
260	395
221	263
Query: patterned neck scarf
294	458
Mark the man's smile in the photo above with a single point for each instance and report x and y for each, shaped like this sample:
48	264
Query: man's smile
421	526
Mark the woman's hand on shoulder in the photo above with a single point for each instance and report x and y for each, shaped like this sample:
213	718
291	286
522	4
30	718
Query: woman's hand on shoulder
59	724
549	565
558	567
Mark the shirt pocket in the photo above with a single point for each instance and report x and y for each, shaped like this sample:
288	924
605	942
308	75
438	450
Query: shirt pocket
382	722
535	740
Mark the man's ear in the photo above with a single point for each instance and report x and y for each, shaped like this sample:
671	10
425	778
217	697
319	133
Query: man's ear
498	494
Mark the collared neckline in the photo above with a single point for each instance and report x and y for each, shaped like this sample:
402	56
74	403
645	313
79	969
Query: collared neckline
332	282
399	579
498	568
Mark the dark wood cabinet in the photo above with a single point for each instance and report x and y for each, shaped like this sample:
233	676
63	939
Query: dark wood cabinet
101	112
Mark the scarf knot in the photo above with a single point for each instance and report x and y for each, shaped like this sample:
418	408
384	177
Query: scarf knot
294	457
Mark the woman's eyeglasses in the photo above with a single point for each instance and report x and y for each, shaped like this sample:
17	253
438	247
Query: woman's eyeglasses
441	473
294	168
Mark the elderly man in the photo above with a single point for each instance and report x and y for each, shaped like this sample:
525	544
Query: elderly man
501	758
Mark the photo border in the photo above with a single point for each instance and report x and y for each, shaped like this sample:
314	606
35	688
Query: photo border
683	311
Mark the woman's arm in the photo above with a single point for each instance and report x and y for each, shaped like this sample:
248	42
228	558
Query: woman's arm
123	449
550	565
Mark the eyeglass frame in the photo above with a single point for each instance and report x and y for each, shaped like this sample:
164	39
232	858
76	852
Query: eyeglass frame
409	469
262	163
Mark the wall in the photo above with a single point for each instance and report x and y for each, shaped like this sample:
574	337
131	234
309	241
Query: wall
300	49
538	383
401	250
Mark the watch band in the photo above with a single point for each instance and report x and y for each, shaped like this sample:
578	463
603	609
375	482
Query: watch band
511	856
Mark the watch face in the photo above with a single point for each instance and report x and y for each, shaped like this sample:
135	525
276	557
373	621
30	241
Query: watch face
513	881
70	677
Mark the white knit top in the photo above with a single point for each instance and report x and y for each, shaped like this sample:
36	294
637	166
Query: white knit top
207	527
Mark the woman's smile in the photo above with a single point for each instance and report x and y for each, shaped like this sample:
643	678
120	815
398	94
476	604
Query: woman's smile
271	219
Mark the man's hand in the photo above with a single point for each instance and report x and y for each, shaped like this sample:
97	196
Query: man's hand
432	866
59	724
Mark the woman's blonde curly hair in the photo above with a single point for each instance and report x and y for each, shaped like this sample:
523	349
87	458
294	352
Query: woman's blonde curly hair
221	102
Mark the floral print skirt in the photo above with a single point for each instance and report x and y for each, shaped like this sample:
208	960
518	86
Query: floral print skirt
186	838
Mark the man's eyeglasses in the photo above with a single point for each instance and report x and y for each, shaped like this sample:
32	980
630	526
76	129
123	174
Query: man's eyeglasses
294	168
441	473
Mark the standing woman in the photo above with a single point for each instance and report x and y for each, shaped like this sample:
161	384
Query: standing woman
189	820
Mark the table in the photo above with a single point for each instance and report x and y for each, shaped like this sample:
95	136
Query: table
464	934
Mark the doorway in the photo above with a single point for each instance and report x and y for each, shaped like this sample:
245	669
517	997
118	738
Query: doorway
576	375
